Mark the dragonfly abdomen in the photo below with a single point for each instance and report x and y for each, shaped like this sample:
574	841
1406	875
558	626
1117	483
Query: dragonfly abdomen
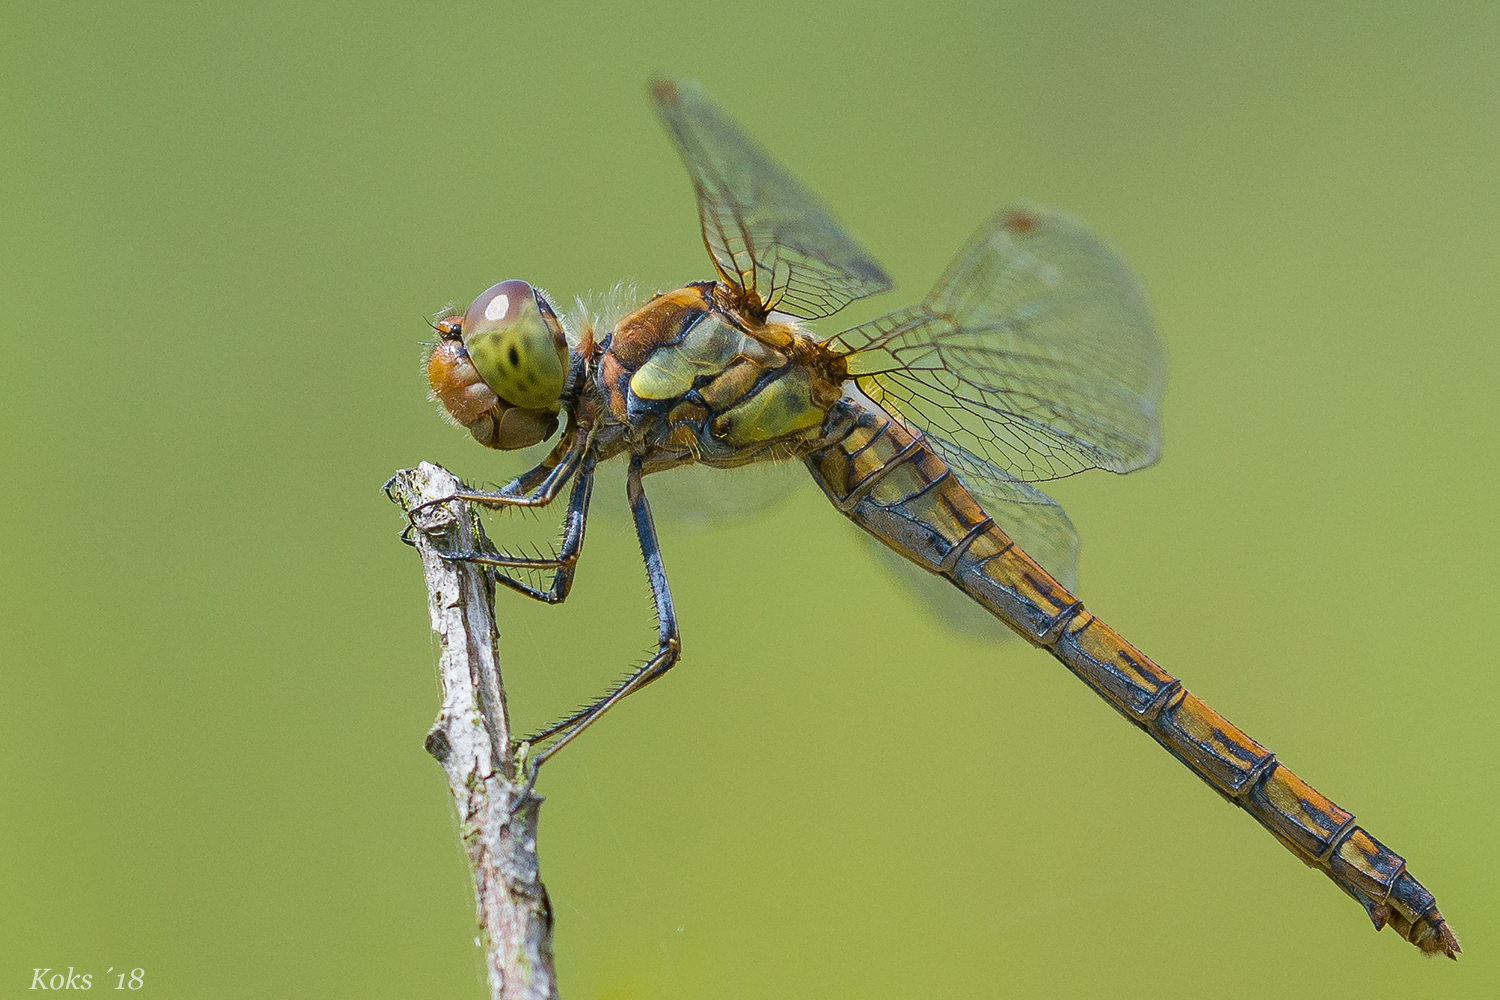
887	480
1308	823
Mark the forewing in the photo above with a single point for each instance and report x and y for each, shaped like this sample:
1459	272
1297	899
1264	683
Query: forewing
1035	353
771	238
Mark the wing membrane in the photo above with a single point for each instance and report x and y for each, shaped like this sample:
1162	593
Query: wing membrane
771	239
1034	354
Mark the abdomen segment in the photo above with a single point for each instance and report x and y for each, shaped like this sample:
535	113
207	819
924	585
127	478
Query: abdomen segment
887	480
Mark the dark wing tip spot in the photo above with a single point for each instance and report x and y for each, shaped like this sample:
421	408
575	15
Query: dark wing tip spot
875	275
665	91
1021	221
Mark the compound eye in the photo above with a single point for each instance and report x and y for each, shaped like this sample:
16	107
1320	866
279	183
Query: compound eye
517	345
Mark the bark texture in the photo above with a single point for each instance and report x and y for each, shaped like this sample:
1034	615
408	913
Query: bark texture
470	738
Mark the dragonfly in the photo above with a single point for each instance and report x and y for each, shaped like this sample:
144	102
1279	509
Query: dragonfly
1034	357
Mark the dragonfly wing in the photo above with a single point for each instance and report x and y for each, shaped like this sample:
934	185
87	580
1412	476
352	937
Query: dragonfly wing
698	498
771	239
1035	353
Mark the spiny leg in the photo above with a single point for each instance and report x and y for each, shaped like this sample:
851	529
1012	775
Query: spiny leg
536	487
668	641
568	550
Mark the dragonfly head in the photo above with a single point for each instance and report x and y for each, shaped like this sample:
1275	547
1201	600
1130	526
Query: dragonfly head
499	369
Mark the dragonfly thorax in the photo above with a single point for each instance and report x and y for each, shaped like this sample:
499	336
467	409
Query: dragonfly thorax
699	380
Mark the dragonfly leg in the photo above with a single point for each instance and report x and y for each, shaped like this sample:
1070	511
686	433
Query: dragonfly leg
668	641
563	563
536	487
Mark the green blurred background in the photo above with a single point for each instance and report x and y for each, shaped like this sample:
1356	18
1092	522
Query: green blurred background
220	234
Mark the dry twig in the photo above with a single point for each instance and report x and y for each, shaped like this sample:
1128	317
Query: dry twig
471	740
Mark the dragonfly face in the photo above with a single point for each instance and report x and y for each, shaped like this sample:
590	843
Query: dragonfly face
500	369
1034	357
